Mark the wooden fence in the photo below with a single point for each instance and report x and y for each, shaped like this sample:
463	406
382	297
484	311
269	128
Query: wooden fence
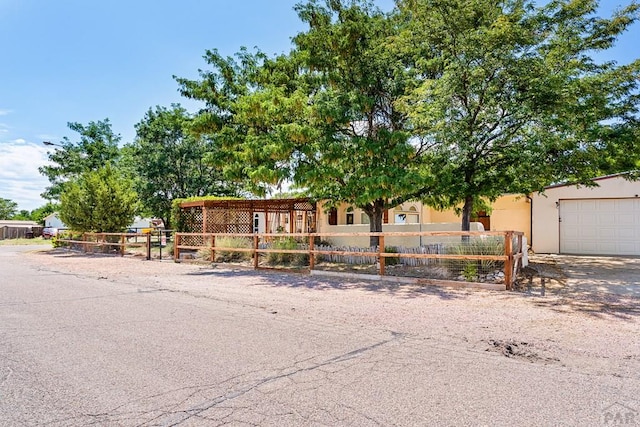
512	243
89	242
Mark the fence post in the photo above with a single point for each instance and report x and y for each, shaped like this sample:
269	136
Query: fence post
148	246
176	247
508	262
520	252
122	239
312	256
255	251
213	248
380	257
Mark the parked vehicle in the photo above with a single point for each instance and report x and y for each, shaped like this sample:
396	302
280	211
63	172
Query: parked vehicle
49	232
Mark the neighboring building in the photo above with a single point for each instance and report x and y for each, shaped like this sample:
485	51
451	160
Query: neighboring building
12	229
54	221
603	220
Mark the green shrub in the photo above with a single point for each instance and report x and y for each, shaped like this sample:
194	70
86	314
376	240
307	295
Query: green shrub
470	269
286	243
231	256
389	260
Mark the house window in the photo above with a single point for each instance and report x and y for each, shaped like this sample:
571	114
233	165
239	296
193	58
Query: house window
333	216
350	216
409	216
364	218
400	218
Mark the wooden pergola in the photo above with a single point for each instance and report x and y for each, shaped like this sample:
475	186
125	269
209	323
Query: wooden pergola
239	215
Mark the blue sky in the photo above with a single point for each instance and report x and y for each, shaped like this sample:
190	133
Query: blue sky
79	61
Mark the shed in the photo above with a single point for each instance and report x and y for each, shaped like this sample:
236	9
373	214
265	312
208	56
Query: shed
14	229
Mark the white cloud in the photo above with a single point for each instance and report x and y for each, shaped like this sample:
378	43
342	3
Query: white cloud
20	180
4	112
47	137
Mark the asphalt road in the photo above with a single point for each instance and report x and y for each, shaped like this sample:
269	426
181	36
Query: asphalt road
79	350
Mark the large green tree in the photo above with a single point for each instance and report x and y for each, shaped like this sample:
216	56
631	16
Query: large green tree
99	201
323	116
8	208
168	161
511	97
38	214
97	146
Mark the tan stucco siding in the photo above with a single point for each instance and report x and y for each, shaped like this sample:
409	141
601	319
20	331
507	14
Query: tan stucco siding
546	226
509	213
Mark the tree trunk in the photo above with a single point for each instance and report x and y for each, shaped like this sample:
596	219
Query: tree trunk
466	213
376	215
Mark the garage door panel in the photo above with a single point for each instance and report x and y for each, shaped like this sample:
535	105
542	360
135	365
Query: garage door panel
600	226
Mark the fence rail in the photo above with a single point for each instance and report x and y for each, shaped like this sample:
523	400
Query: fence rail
88	242
511	256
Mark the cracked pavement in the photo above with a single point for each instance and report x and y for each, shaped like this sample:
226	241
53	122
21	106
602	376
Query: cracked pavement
123	342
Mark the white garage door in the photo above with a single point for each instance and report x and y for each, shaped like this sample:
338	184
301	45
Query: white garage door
600	226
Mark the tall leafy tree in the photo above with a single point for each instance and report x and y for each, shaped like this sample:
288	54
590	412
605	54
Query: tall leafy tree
8	208
511	97
97	146
99	201
168	161
38	214
323	116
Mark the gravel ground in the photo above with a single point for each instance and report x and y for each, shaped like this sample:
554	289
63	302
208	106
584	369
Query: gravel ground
595	333
579	339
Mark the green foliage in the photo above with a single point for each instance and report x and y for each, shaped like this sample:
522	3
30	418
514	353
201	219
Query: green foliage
233	242
8	208
98	145
40	213
453	102
512	99
99	201
286	243
477	246
470	272
178	220
391	260
168	161
323	116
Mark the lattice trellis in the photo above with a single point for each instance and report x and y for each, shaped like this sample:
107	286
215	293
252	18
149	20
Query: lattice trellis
191	219
236	216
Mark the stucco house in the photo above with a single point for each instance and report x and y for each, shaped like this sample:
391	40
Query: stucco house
509	212
602	220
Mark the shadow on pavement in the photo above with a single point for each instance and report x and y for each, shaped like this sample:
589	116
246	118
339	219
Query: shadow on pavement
300	281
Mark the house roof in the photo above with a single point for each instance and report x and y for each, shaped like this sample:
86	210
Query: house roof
16	223
51	215
600	178
256	205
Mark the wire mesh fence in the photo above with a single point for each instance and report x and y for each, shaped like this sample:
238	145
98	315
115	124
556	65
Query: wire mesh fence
492	257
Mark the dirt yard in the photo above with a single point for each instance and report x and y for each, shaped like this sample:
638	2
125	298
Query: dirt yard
551	318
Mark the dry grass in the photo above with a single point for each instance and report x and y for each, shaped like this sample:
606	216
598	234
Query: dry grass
24	242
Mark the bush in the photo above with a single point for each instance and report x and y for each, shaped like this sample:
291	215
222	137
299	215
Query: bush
470	269
231	256
389	260
286	243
